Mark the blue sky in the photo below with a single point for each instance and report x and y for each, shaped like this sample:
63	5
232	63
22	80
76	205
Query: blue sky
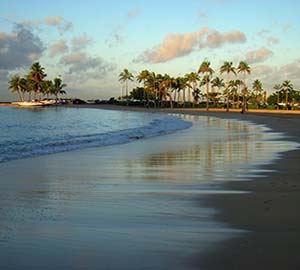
90	42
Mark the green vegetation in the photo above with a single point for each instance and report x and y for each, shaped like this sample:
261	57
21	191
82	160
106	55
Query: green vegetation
35	85
228	68
124	77
285	96
159	90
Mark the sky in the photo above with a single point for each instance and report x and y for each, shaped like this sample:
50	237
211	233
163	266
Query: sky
88	43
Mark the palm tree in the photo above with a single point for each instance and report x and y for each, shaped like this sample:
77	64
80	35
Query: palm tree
257	89
238	84
163	87
124	77
287	87
181	85
23	85
243	67
228	68
217	82
57	87
232	88
167	85
206	80
196	95
15	85
156	85
37	76
143	76
193	79
29	86
152	86
277	87
206	70
47	88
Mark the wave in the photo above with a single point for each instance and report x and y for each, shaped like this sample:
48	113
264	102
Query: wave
158	126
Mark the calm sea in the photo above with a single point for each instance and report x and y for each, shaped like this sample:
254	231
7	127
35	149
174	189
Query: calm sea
32	132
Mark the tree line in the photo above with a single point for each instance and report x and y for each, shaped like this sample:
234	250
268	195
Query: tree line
231	92
35	86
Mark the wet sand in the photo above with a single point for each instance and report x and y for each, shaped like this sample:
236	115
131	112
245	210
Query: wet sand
269	212
137	206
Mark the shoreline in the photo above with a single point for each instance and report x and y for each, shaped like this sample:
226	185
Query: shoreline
183	110
268	211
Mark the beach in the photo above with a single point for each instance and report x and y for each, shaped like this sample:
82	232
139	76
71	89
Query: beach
269	212
270	209
151	208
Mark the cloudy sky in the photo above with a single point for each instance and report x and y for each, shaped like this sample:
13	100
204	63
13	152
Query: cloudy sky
90	42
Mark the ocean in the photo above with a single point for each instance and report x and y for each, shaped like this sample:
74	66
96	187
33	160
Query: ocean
220	144
40	131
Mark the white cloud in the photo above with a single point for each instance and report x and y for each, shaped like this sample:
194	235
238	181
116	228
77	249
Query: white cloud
80	63
292	70
19	48
80	42
58	48
59	22
177	45
271	75
257	56
215	39
116	38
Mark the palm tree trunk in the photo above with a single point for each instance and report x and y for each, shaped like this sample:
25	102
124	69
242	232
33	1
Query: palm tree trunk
244	95
244	99
233	97
227	93
170	97
175	95
194	101
286	98
207	94
19	94
127	92
171	102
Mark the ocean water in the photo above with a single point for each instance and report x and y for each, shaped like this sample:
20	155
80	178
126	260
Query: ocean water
40	131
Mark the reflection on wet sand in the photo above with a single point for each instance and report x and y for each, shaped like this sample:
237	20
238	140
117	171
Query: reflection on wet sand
131	206
218	149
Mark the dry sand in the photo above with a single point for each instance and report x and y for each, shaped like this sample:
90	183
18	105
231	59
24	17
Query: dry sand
270	212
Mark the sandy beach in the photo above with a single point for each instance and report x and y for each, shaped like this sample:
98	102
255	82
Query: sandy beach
136	206
270	209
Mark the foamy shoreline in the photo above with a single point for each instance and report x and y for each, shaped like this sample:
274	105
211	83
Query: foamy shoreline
270	209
